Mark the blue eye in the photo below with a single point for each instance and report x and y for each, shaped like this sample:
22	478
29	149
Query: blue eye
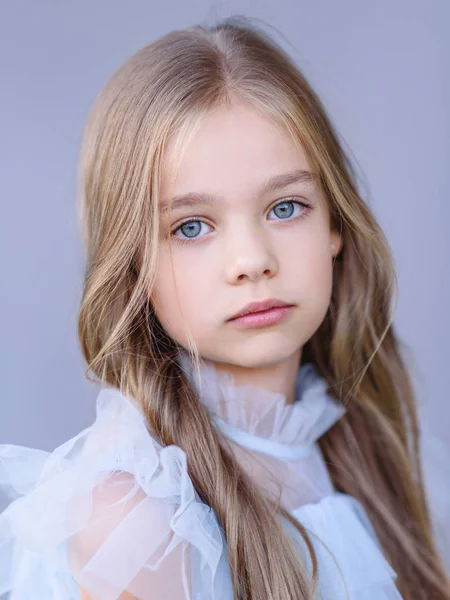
190	230
285	209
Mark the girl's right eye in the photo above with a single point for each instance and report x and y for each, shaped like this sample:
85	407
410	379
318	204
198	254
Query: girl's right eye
189	229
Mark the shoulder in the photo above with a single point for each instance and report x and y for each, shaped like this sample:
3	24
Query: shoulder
120	543
115	508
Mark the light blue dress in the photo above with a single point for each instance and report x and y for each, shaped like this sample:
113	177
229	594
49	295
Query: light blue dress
112	510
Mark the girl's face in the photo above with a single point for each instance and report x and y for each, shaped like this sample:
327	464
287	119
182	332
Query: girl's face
236	240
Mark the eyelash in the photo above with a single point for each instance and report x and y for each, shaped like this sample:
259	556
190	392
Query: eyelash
302	204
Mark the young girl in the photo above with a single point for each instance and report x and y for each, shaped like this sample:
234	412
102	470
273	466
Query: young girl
257	435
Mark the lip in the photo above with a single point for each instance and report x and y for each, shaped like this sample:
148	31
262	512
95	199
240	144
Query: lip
258	307
262	318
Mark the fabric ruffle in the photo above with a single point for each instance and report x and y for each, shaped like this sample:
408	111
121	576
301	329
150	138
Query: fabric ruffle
275	442
264	413
110	509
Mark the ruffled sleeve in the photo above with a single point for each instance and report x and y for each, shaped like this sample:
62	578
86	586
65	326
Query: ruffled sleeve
110	511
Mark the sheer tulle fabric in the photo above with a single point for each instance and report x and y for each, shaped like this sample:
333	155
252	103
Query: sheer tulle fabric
111	510
274	441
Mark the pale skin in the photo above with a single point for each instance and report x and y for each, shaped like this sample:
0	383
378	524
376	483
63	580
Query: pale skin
242	250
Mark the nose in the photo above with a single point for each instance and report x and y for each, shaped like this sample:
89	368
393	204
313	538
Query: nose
249	256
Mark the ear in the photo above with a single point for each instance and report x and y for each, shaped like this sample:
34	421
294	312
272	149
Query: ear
336	239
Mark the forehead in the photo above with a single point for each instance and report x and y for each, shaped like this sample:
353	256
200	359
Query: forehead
233	150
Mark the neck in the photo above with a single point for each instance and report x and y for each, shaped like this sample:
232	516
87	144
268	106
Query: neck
277	377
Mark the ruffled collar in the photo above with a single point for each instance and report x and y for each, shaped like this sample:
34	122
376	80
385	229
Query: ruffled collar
259	419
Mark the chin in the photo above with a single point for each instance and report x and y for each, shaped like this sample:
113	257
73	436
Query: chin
259	354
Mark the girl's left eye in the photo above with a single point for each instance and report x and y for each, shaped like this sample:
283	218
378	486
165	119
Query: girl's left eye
286	209
283	210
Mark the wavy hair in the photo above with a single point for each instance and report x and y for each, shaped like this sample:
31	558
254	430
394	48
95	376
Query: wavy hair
372	452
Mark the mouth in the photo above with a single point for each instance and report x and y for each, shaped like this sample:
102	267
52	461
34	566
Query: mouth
260	314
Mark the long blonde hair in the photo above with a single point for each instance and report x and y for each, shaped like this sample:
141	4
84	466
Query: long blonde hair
372	452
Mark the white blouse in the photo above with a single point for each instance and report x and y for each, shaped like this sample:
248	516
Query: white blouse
111	510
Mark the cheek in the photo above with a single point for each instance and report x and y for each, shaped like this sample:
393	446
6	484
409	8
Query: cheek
310	267
181	298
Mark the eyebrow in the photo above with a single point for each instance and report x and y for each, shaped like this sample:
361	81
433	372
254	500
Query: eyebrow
272	184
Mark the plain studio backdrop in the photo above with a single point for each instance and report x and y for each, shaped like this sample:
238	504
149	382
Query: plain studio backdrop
382	70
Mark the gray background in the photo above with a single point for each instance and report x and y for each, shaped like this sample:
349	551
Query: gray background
382	69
